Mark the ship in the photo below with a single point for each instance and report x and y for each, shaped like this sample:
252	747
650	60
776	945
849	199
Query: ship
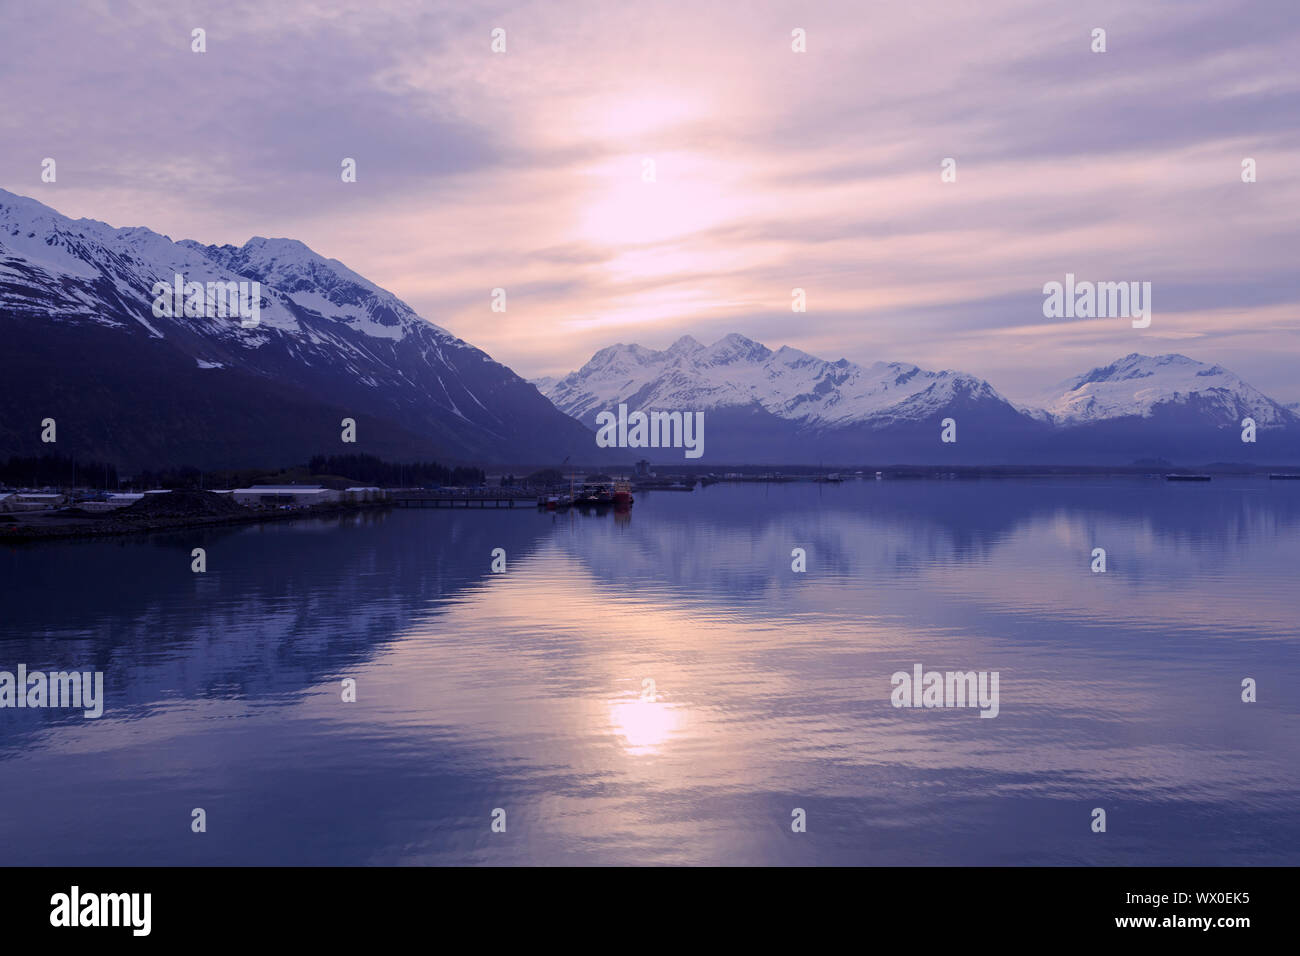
622	495
594	494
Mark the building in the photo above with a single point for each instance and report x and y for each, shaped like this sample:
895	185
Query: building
110	502
33	501
294	496
359	493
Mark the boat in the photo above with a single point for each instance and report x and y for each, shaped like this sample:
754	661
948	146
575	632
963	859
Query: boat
1281	477
1187	477
622	494
592	494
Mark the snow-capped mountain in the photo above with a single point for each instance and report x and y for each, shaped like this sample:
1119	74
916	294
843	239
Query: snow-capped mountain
768	405
1166	406
789	406
84	347
788	383
1146	386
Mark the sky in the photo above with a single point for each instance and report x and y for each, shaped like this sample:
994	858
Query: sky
773	169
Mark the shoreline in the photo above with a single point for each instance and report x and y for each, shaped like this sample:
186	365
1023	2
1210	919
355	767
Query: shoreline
107	526
37	526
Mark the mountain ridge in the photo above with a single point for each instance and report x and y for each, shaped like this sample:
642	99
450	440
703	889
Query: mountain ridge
83	346
329	344
1138	406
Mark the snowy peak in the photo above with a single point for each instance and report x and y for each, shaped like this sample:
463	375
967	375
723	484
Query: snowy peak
285	263
737	372
1135	365
298	284
790	405
322	335
86	248
1142	386
685	346
321	286
735	349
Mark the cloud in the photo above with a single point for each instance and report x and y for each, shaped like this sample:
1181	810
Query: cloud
774	170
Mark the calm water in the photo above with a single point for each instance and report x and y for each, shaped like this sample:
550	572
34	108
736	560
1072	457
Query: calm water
524	690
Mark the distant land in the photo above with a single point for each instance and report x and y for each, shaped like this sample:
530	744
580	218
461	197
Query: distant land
786	406
82	346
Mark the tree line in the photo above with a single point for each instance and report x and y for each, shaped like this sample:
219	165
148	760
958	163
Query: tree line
39	471
62	471
370	470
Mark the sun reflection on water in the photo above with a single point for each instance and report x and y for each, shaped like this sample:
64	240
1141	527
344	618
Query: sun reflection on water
645	726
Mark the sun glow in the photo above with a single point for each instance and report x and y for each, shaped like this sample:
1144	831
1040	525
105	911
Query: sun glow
637	117
645	726
622	209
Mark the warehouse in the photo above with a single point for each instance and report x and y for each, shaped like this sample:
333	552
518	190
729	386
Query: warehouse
276	496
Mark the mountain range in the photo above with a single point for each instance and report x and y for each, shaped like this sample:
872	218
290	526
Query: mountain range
786	406
82	345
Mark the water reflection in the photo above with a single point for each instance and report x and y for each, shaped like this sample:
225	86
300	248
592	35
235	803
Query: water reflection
527	690
645	726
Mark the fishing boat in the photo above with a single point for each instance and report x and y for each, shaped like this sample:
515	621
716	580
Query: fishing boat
622	494
594	494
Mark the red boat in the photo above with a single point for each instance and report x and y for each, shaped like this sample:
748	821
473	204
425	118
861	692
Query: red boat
622	494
